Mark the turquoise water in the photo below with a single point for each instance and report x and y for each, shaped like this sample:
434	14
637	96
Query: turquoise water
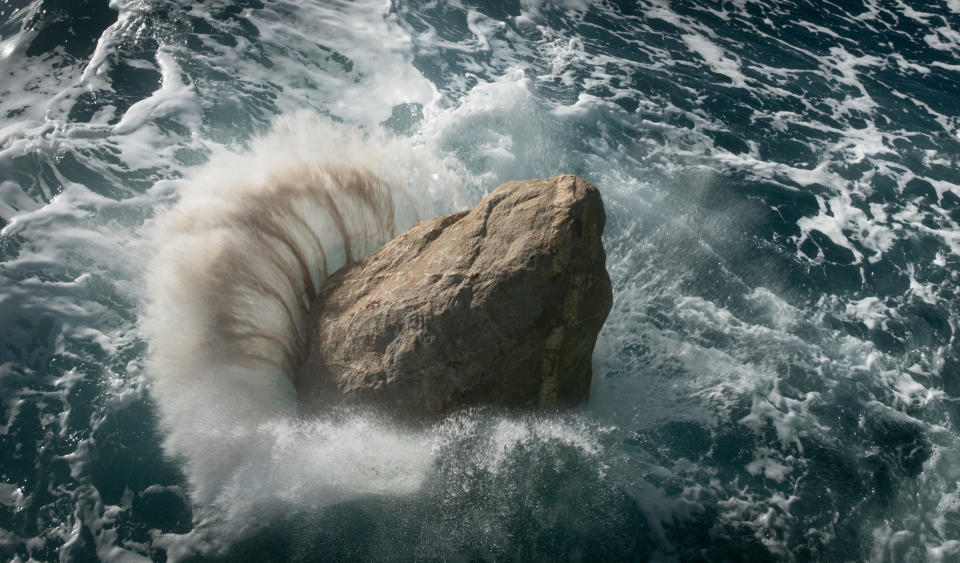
778	379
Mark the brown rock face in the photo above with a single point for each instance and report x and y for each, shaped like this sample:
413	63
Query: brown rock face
499	306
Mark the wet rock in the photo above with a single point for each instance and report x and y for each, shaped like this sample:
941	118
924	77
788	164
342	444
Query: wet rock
497	306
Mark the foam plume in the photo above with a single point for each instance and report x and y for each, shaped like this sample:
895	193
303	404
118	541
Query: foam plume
239	259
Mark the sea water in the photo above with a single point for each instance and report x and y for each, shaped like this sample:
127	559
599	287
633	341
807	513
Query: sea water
779	378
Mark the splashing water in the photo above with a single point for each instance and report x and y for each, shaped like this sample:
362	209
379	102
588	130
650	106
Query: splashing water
778	379
240	258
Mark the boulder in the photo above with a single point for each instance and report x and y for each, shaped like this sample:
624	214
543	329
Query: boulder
497	306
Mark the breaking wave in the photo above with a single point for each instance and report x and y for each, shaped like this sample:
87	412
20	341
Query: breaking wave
238	261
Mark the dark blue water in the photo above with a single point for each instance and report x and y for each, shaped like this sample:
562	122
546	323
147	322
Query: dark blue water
779	379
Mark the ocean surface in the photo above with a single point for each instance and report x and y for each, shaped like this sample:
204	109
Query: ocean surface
778	380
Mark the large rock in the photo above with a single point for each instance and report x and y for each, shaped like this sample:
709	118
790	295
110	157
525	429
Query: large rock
500	306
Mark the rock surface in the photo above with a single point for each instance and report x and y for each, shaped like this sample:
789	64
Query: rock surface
498	306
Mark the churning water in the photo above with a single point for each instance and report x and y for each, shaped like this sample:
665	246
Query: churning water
779	378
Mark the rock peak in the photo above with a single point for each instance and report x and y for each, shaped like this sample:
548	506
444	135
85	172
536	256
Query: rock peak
497	306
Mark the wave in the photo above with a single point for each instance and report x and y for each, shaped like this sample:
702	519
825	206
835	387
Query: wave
238	260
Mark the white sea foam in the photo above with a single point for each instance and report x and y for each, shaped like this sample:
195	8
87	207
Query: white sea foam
381	75
719	62
513	97
173	99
